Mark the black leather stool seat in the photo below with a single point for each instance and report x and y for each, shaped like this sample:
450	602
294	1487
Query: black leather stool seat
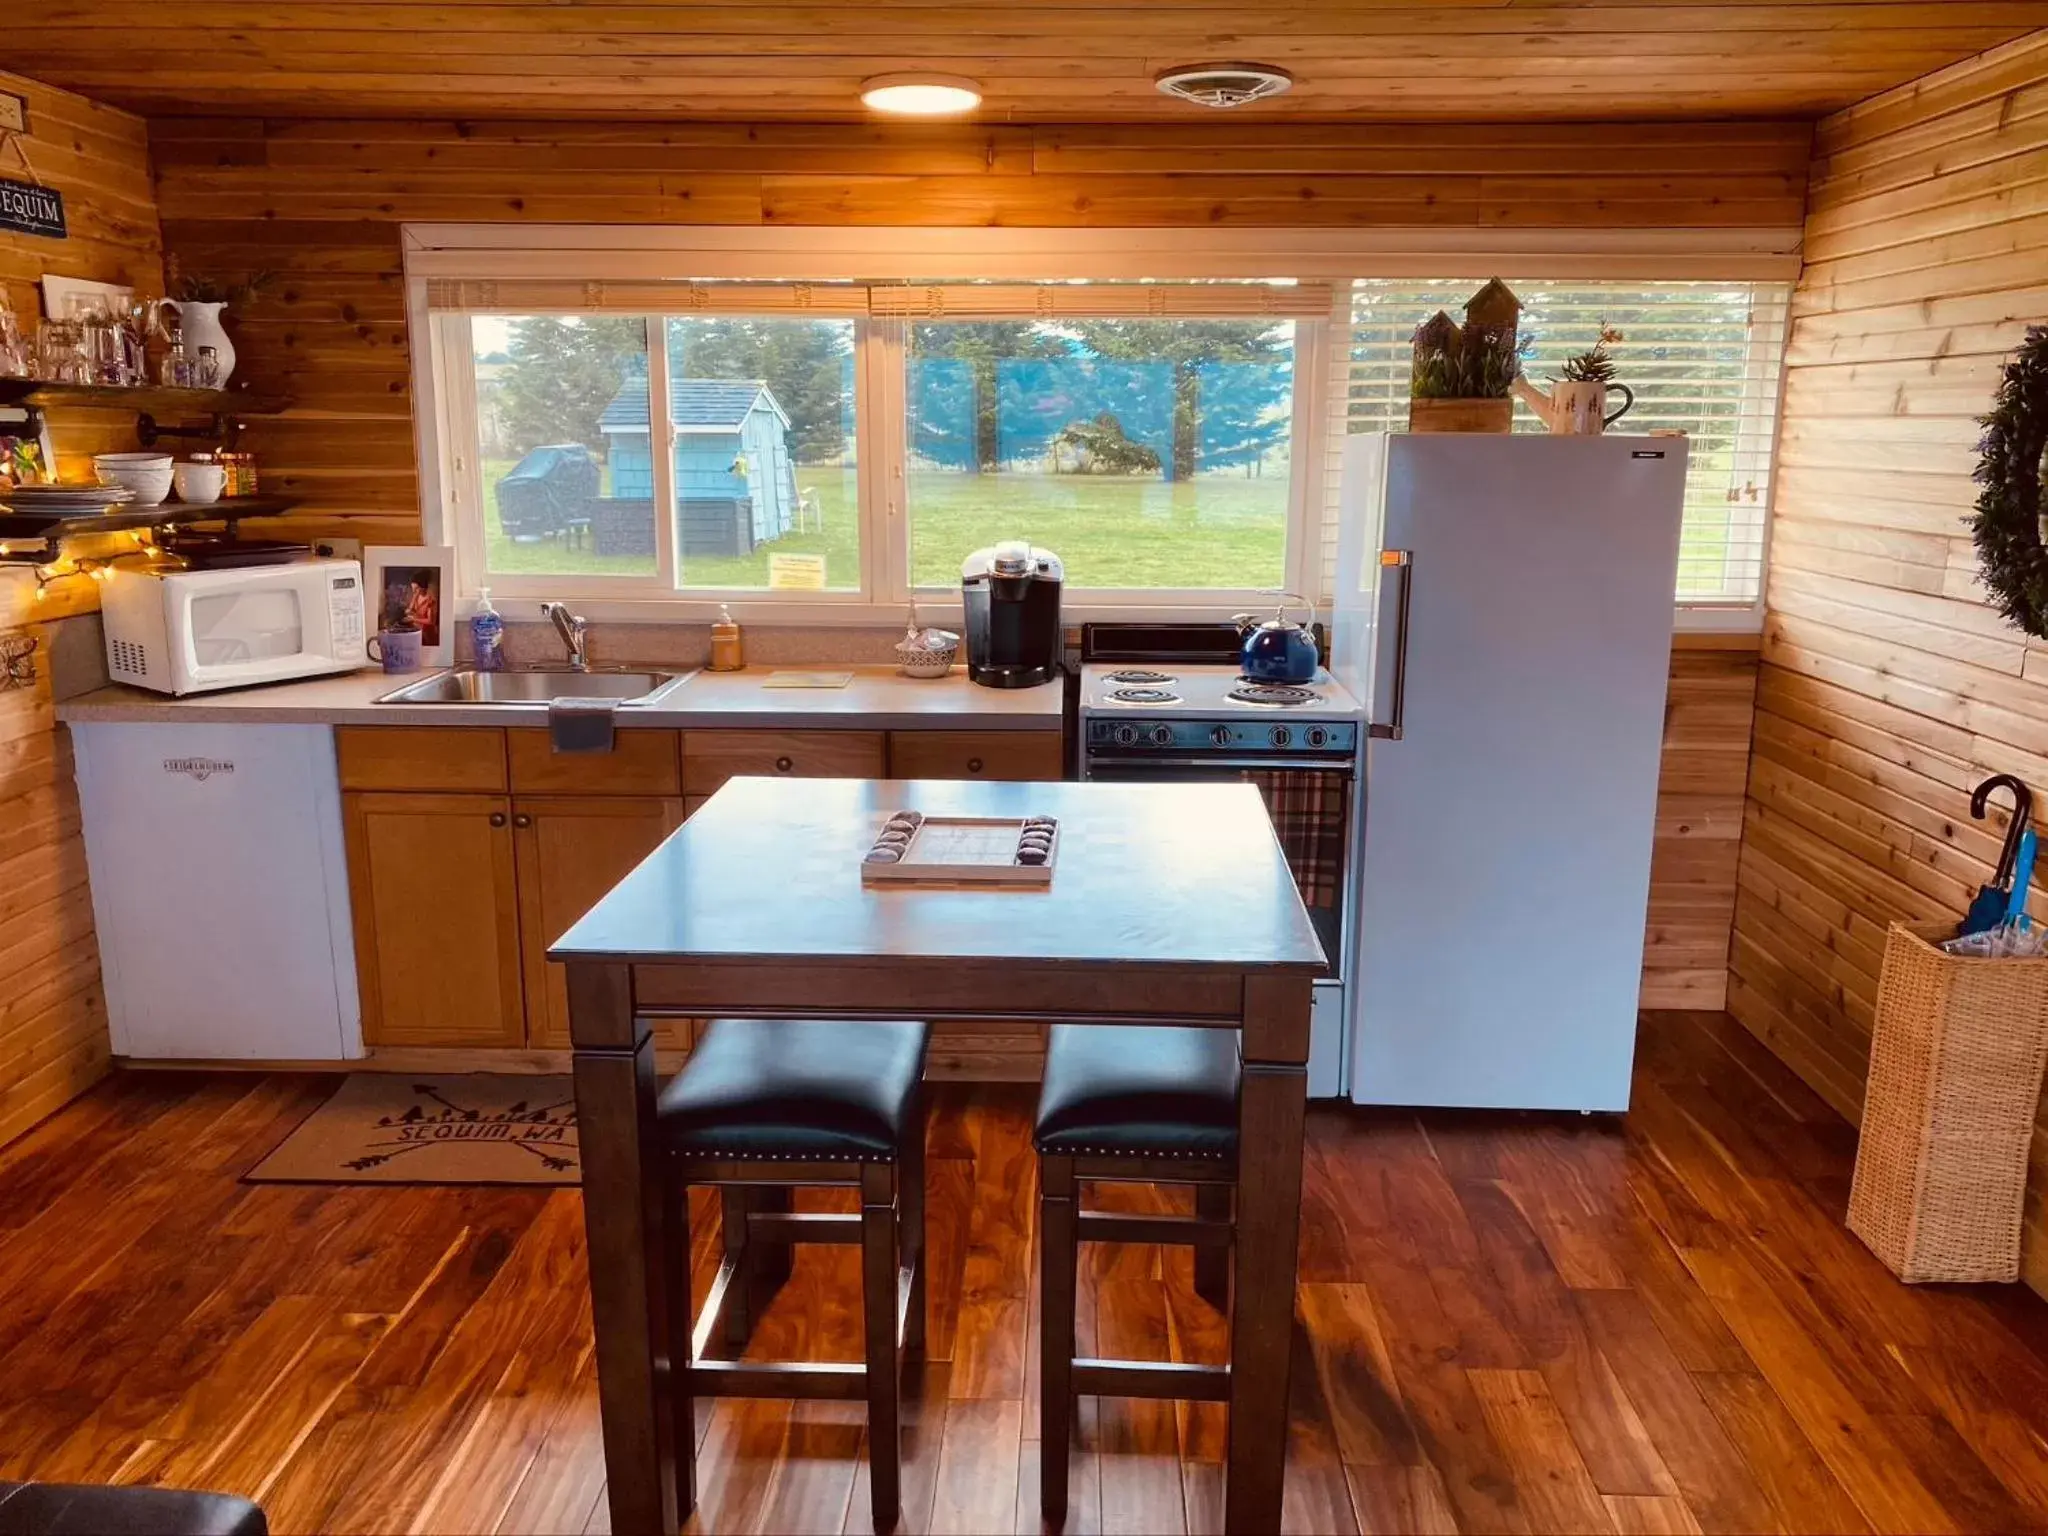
69	1509
1134	1089
812	1089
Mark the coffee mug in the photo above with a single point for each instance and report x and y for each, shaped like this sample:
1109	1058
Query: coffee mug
199	485
397	649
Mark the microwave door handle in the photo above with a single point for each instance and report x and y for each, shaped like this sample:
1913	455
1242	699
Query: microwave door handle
1402	563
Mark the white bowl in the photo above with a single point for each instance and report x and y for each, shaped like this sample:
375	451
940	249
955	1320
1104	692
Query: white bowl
148	475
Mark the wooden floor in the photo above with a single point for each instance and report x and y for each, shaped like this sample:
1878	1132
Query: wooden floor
1507	1323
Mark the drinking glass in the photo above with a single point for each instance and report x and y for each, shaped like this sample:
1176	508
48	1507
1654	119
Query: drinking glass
60	353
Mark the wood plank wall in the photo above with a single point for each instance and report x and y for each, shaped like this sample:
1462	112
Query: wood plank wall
99	159
1889	688
53	1023
319	204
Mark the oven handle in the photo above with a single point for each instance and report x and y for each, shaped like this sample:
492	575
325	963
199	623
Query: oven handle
1401	561
1274	764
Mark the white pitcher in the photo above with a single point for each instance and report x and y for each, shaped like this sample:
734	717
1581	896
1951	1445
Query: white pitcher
201	326
1575	408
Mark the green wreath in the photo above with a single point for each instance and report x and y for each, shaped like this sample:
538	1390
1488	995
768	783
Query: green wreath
2008	525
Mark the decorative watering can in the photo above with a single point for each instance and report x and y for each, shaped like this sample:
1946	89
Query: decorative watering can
1575	409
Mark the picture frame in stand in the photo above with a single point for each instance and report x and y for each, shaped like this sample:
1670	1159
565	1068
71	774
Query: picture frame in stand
414	583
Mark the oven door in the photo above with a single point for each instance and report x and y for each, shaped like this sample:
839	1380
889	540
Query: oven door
1311	806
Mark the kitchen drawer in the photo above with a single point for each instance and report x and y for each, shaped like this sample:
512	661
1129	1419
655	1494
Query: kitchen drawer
421	757
712	757
640	763
1021	755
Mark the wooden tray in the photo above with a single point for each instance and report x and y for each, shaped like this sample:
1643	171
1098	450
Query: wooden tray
960	850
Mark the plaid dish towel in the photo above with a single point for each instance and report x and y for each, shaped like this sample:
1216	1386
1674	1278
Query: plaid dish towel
1309	812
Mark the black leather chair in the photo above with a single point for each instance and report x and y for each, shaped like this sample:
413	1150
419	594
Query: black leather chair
1140	1105
764	1107
71	1509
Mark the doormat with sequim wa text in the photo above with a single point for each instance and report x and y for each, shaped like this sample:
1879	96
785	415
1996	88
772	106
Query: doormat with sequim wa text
391	1128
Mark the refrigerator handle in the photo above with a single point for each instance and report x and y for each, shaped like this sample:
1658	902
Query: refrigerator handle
1402	563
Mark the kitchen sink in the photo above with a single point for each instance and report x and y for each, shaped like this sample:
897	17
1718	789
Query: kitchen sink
627	685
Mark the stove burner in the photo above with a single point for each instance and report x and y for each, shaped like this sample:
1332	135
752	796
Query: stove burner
1144	696
1276	694
1139	677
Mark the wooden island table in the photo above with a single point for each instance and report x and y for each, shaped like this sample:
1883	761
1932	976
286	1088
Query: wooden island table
1169	905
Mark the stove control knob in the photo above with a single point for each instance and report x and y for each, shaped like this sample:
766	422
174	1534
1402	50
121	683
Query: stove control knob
1162	735
1317	736
1126	735
1281	736
1221	735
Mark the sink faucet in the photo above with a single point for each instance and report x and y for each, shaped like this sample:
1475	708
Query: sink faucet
573	629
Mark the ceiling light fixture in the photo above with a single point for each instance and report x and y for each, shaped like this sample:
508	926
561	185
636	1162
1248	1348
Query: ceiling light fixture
1224	85
921	95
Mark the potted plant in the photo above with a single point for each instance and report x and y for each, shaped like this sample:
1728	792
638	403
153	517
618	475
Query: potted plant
1578	406
1462	374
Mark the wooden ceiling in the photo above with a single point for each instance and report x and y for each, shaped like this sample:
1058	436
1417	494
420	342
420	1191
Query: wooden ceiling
1039	60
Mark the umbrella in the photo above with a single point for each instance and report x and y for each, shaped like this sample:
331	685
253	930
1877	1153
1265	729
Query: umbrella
1988	909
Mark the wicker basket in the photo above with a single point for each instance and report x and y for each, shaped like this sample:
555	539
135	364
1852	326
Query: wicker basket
1955	1075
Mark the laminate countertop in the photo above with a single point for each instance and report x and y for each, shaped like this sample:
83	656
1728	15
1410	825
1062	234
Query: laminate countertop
877	698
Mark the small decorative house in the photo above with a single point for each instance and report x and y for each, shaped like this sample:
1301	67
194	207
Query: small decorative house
735	481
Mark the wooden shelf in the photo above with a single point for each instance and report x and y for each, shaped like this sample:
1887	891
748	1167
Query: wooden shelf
149	399
160	412
18	527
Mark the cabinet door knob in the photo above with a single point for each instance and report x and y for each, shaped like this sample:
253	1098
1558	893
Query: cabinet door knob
974	765
497	818
784	764
522	820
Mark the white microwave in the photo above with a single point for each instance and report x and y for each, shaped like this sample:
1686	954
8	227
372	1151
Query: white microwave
192	631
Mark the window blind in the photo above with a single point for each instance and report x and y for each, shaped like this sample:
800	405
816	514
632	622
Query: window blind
1061	301
908	301
1703	358
566	296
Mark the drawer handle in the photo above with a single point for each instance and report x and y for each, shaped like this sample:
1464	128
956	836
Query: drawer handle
974	765
522	820
783	764
497	818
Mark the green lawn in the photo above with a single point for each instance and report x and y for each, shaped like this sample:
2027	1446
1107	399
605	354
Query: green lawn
1216	531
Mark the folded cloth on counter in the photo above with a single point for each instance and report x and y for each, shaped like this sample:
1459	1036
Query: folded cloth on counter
582	725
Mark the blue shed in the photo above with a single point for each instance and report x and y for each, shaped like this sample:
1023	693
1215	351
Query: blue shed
735	480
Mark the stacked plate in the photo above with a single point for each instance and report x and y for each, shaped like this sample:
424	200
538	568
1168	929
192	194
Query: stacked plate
64	500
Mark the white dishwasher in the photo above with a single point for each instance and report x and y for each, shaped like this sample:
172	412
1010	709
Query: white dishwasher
220	890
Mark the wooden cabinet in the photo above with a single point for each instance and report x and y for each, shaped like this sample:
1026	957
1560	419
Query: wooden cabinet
420	757
1020	755
571	850
457	895
472	849
436	906
712	757
640	763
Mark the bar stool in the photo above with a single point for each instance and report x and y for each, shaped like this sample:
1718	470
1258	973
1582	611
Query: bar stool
1128	1105
764	1107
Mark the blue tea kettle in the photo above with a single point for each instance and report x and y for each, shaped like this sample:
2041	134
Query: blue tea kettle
1275	650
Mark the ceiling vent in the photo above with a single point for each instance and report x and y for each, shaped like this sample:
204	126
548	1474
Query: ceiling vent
1224	85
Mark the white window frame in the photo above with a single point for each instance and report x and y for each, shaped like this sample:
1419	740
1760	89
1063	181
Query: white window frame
444	410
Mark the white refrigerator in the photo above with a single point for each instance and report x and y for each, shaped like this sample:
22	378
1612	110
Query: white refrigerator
1504	604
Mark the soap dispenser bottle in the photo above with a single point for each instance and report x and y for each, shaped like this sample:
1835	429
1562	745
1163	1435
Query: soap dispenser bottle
726	653
486	635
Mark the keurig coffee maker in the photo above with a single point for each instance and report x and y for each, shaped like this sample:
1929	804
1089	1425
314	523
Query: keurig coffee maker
1013	615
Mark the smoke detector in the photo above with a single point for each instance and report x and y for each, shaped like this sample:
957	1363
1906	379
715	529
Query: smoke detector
1224	85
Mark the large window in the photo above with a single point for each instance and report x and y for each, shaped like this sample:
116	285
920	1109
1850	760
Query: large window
1704	359
848	444
1151	454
